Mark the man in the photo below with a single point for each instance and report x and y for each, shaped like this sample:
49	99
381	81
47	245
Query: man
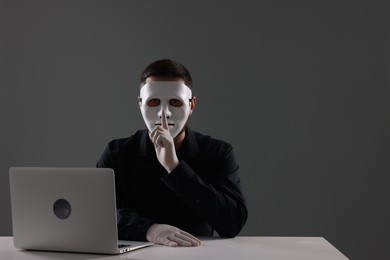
173	184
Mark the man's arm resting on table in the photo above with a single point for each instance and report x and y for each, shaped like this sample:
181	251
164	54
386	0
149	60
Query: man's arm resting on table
220	201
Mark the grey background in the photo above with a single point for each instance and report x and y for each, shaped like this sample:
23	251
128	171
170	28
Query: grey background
299	88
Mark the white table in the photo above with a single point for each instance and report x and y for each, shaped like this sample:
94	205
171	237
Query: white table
239	248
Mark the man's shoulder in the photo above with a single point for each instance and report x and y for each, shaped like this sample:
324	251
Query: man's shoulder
207	142
133	140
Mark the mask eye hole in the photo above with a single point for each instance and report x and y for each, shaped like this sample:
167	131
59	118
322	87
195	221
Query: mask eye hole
175	102
154	102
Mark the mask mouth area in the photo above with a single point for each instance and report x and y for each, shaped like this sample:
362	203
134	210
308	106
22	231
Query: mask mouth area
170	124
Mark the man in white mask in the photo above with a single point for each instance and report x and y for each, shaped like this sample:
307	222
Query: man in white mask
166	107
173	184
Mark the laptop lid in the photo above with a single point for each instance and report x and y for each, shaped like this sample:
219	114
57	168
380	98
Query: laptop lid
65	209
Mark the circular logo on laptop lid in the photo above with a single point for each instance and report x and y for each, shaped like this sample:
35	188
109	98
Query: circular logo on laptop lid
62	209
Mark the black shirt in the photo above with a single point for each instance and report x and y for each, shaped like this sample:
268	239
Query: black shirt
202	194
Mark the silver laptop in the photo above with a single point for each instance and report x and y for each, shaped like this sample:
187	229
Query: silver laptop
66	209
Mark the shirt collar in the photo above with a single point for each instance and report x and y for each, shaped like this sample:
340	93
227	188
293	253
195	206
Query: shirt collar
145	147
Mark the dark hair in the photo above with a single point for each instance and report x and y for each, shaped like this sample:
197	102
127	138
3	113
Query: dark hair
167	68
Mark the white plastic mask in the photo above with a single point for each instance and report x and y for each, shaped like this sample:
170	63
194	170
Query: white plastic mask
165	95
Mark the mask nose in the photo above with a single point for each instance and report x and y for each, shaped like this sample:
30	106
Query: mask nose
168	112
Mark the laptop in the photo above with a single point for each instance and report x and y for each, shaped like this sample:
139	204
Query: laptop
67	210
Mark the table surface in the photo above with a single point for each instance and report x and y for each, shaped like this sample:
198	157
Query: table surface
239	248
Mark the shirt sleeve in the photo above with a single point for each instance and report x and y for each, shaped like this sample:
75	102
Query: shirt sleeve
219	199
131	226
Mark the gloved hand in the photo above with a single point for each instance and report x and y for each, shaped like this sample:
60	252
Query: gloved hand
170	236
164	145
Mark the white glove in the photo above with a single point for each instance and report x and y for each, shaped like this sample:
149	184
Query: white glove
170	236
164	145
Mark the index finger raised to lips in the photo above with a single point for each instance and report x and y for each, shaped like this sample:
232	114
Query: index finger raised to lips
164	120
